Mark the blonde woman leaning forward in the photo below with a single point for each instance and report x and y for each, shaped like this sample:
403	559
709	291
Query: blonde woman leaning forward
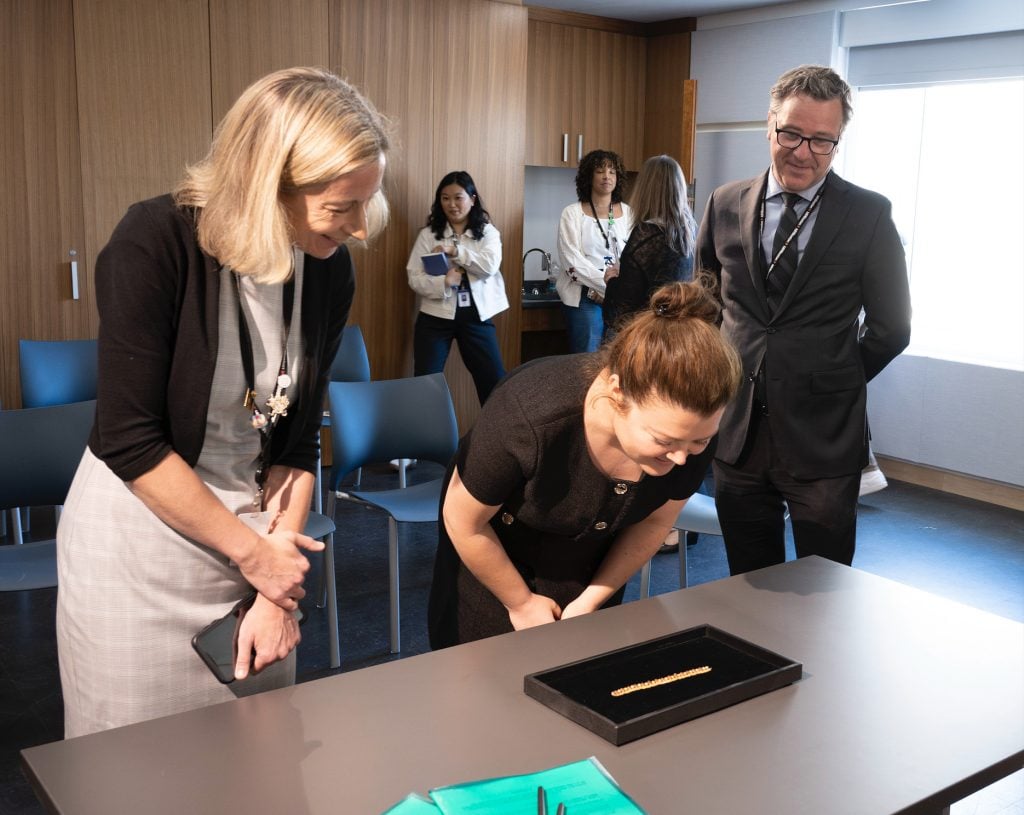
576	469
220	311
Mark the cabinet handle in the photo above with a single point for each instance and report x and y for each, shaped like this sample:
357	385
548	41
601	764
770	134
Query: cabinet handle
74	274
565	148
579	147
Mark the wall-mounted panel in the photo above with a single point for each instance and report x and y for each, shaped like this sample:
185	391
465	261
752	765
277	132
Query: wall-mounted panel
915	400
723	156
736	65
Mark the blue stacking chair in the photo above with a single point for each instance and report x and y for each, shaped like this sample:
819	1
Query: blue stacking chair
698	515
54	372
375	422
39	449
351	364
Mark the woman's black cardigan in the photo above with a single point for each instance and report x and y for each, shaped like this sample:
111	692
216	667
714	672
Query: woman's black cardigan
158	299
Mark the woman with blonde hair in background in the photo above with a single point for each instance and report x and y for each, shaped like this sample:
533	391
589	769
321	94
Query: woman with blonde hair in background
660	247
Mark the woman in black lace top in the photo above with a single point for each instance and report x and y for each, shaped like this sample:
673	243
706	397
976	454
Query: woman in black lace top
660	247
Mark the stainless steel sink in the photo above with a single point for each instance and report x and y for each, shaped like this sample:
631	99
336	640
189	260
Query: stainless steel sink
537	296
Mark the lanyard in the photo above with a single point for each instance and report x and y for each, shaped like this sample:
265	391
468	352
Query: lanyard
611	221
278	402
796	230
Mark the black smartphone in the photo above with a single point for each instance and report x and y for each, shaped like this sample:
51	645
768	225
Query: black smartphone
217	644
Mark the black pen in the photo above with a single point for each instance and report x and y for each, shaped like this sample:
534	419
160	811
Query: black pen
542	802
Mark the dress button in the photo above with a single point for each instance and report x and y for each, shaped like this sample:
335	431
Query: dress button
621	489
600	525
507	518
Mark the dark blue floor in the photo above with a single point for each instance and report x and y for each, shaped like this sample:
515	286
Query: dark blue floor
966	550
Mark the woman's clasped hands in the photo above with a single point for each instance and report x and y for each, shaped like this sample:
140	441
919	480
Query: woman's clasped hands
276	568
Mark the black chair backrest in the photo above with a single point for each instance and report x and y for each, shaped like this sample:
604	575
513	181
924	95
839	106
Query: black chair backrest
39	452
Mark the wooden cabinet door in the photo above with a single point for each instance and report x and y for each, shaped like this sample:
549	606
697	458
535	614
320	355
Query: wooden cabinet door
585	91
611	70
551	95
42	221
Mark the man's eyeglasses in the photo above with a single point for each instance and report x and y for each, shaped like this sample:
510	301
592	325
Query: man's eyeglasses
818	145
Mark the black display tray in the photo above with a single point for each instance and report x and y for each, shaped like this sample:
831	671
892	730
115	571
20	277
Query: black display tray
581	690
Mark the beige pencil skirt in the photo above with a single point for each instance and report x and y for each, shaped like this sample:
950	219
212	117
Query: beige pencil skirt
131	594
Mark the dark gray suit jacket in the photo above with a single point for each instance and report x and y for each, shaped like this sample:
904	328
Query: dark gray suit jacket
816	365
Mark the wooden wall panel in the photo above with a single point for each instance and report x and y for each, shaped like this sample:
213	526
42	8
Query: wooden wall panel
611	71
550	80
251	38
479	96
667	121
384	48
143	99
40	166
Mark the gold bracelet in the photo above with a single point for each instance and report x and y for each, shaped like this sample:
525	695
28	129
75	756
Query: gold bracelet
661	680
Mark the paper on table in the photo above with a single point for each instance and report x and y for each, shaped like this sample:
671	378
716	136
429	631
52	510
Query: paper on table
436	264
413	804
585	787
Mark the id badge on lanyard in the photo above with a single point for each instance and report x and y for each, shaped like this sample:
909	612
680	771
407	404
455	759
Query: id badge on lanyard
463	297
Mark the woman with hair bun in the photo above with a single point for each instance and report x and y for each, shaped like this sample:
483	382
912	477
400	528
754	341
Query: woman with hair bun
576	469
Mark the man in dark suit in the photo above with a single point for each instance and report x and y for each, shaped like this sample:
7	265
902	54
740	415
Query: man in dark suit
796	271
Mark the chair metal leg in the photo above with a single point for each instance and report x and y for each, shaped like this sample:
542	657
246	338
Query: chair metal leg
396	633
16	526
645	581
322	591
645	572
334	636
682	559
318	493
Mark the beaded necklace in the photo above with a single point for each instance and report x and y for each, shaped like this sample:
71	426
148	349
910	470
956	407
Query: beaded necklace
278	402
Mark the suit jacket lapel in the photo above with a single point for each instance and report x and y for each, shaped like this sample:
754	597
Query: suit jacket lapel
832	210
750	224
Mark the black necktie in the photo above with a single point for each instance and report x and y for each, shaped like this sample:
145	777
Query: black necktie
785	266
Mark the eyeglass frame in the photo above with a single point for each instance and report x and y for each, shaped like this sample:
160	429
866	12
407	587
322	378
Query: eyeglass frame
808	139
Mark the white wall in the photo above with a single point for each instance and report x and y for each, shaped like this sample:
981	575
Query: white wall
548	190
958	417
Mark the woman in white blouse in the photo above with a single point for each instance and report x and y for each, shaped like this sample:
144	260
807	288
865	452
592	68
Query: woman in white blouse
458	304
591	235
